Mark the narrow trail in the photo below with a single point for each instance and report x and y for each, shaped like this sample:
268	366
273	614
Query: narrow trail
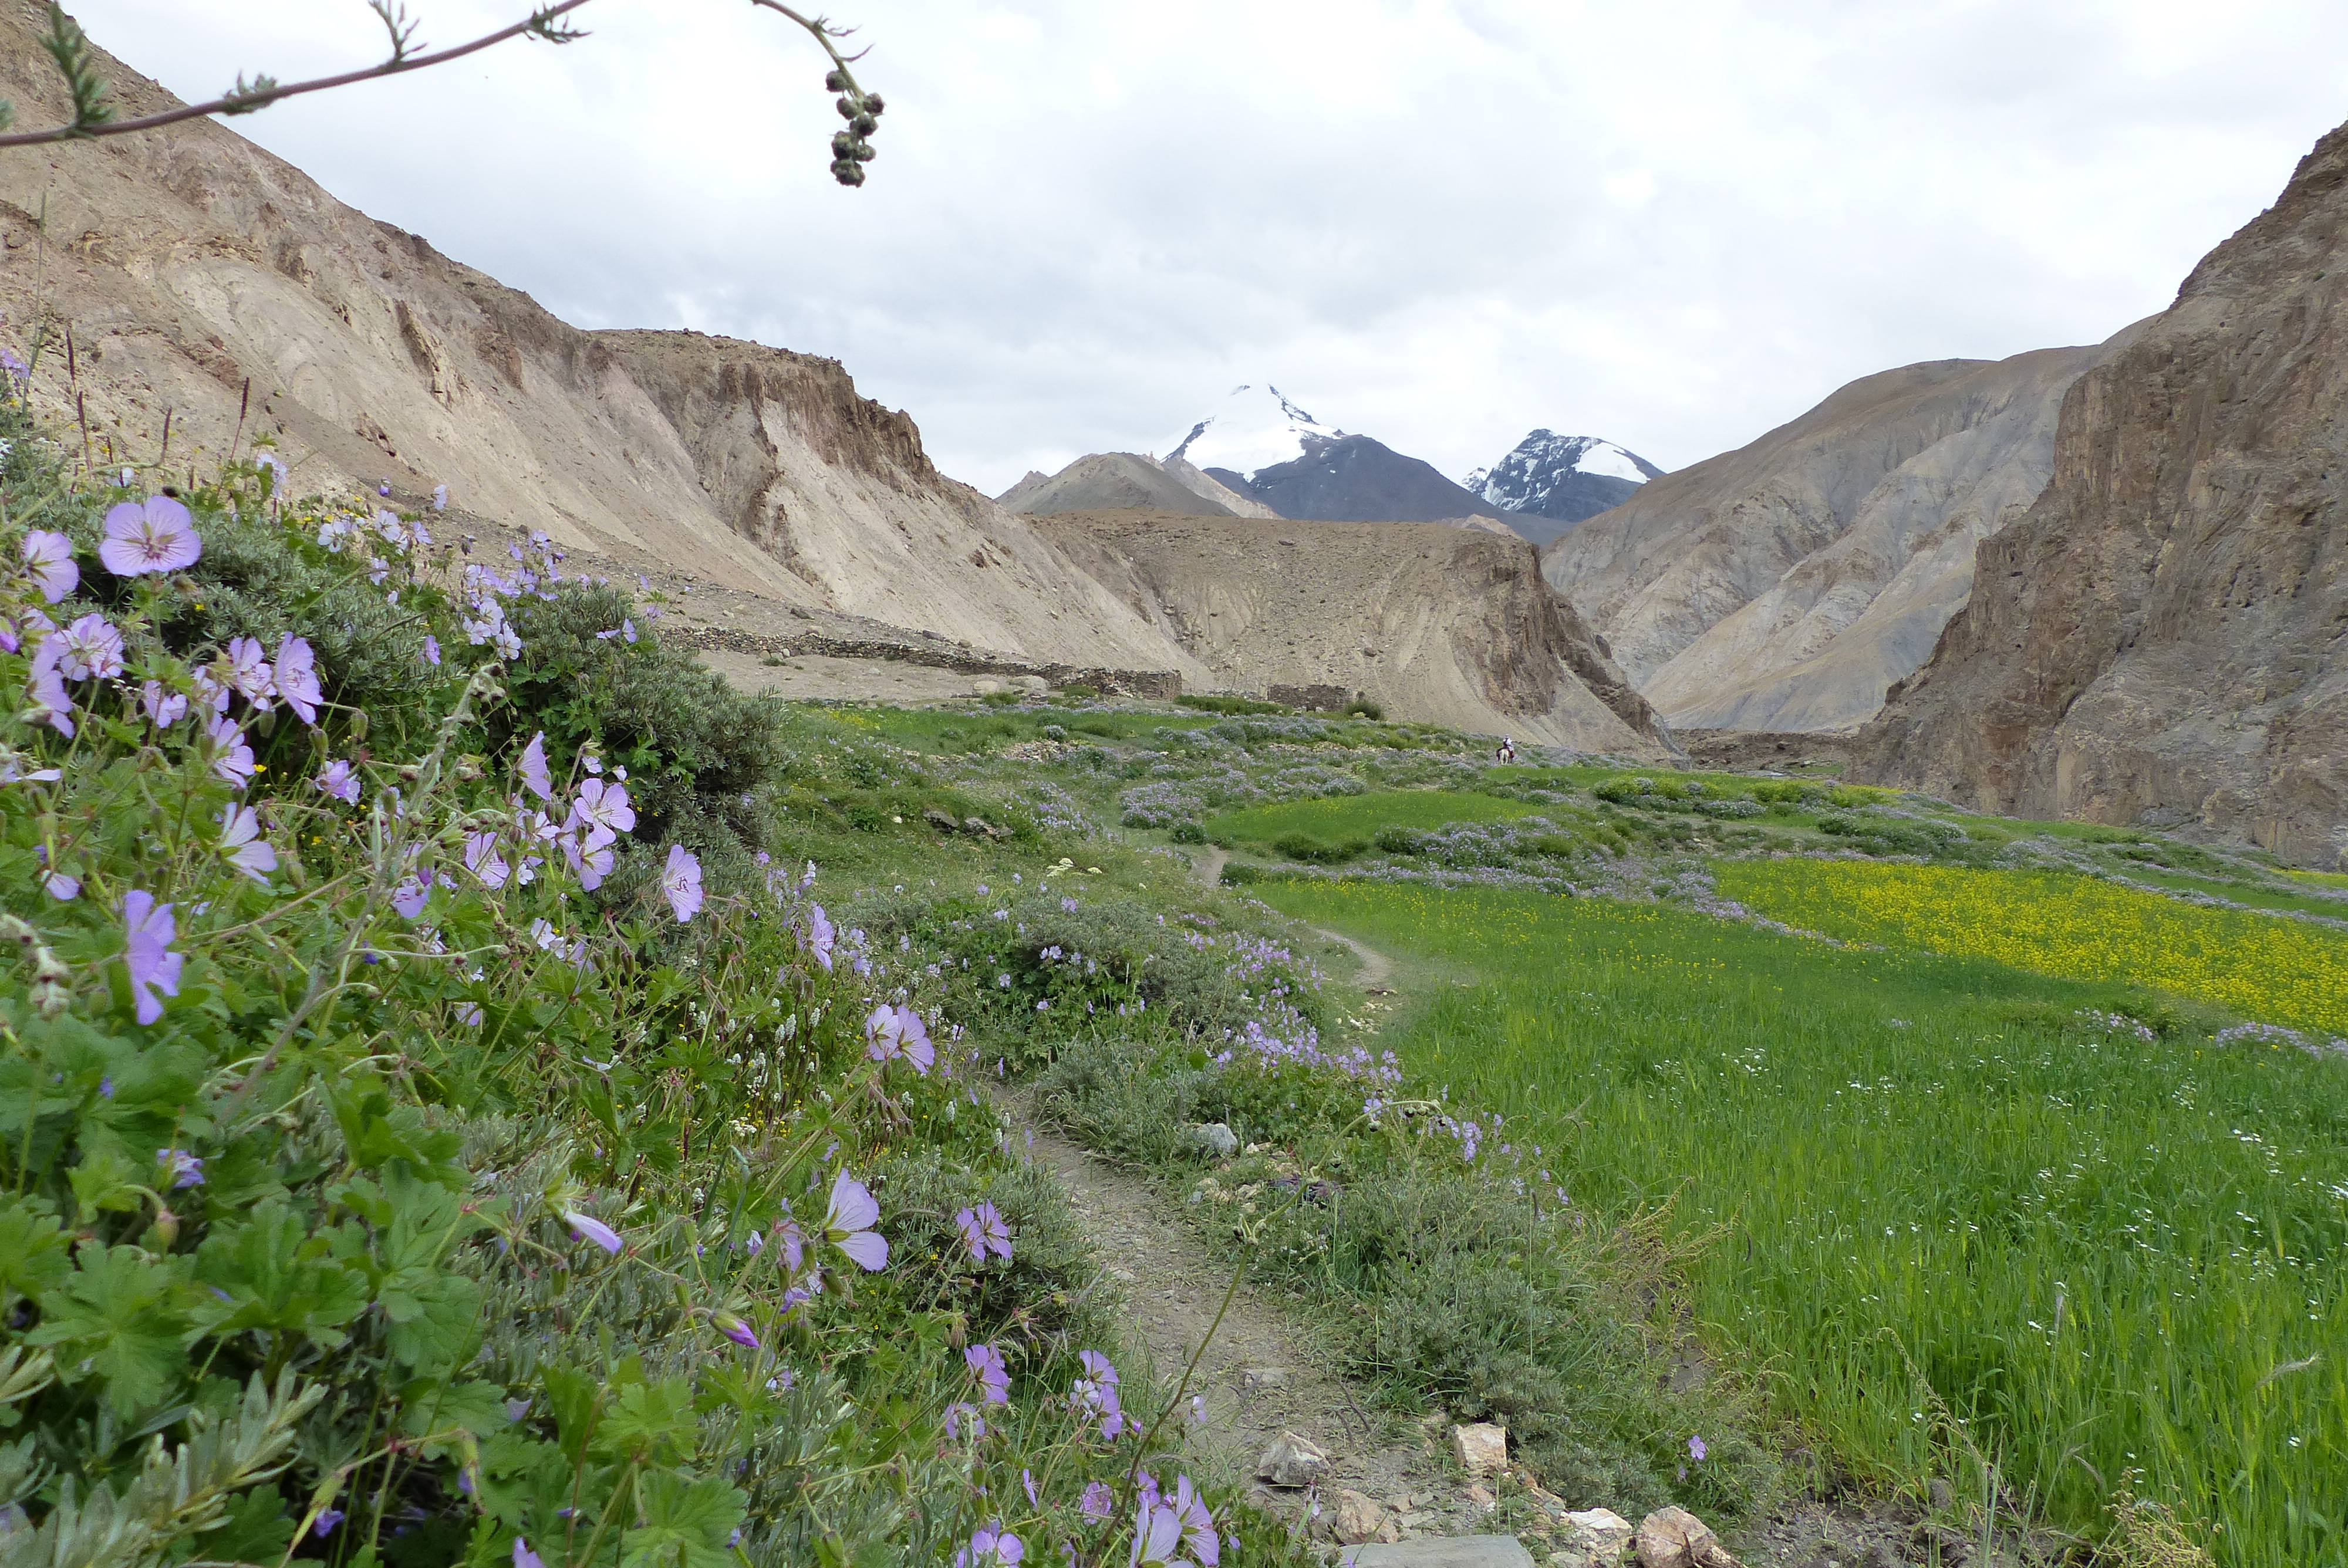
1377	969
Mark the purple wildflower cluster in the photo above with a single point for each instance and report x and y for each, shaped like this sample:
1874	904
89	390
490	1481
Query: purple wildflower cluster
2278	1036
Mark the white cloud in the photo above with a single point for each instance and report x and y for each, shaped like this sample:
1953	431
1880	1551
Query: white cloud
1439	222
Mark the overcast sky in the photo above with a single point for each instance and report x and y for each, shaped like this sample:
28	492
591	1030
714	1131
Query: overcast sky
1441	225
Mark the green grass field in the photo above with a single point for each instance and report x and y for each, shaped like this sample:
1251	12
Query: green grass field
1939	1189
1358	817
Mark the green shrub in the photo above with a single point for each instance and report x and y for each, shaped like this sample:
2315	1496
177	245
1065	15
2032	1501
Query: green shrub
1316	850
1238	874
1222	702
1362	708
1187	833
1399	841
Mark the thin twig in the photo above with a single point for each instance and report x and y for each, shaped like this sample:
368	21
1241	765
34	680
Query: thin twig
268	92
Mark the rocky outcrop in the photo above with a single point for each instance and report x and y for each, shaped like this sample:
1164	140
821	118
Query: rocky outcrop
2163	639
205	281
1784	586
1355	478
1442	625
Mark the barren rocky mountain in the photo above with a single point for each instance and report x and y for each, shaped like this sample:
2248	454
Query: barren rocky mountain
1786	585
1441	624
1110	479
2163	637
205	280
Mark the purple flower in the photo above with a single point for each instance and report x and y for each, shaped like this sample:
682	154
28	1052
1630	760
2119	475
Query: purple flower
92	649
603	810
524	1557
534	776
737	1330
155	534
249	670
165	707
994	1377
1095	1502
848	1223
964	1415
992	1548
63	888
1157	1535
148	928
431	651
45	689
1094	1394
792	1242
894	1033
1197	1523
590	865
241	841
184	1169
482	859
982	1231
589	1228
338	783
231	758
681	882
326	1523
439	497
1697	1451
49	557
297	678
821	936
409	897
14	632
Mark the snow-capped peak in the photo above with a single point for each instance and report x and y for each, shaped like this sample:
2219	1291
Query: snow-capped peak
1256	428
1525	480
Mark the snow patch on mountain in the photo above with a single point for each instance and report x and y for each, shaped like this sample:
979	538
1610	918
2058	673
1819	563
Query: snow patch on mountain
1256	428
1528	476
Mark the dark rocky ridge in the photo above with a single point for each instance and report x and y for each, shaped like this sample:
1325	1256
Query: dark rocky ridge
2163	637
1355	478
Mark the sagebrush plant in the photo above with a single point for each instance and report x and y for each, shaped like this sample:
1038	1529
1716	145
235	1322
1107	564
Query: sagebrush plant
390	1178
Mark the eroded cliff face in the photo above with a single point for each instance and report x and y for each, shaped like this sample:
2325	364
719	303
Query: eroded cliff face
1438	624
204	278
2163	639
1784	586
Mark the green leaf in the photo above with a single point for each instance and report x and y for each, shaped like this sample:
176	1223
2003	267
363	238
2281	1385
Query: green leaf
270	1274
687	1523
114	1319
648	1419
32	1257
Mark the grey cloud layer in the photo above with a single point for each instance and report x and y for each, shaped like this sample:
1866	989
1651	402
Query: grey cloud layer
1439	223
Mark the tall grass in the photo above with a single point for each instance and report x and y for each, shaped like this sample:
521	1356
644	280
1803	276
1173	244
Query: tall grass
1958	1218
1356	816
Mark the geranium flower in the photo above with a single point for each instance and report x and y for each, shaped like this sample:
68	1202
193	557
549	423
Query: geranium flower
792	1242
231	758
589	1228
91	650
30	625
153	535
45	698
49	557
737	1330
894	1033
994	1377
184	1169
603	810
409	897
338	782
241	841
992	1548
165	707
848	1223
982	1231
1157	1535
482	859
1094	1394
821	936
249	672
210	692
524	1557
431	651
1198	1523
534	776
62	887
297	678
681	882
1097	1502
590	865
148	928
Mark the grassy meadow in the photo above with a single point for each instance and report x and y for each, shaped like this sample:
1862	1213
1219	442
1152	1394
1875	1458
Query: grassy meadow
1963	1228
1345	817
